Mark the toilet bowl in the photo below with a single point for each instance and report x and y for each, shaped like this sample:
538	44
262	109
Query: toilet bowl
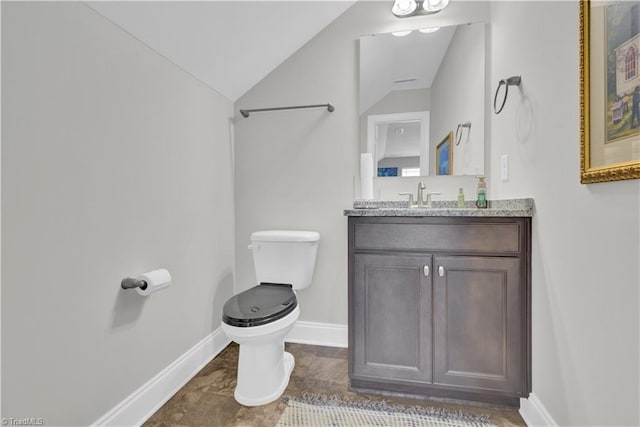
260	318
264	367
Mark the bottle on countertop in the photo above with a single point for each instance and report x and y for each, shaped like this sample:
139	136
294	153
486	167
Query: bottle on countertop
481	201
460	198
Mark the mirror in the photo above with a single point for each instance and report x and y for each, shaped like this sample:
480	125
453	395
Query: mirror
415	90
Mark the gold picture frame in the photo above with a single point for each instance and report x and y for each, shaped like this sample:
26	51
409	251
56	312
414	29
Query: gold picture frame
595	107
444	156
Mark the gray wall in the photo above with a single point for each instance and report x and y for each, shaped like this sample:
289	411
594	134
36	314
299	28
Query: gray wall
114	162
397	101
586	247
296	169
90	110
457	93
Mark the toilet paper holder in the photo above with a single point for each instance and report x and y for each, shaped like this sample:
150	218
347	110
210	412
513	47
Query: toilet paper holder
148	283
131	283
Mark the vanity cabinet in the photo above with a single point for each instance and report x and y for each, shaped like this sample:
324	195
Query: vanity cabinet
440	306
394	317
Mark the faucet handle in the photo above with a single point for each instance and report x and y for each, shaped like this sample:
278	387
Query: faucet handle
428	202
411	202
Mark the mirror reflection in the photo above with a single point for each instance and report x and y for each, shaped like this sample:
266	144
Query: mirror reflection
416	89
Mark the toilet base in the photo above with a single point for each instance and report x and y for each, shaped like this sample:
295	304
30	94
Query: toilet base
289	363
264	367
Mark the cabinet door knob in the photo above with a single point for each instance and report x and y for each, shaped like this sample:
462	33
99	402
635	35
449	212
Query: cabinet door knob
441	271
425	270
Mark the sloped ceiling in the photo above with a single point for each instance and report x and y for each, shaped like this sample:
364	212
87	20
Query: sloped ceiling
389	62
229	45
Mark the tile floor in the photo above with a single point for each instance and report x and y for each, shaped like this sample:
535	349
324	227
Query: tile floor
207	400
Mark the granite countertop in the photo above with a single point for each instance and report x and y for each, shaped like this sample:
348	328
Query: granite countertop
503	208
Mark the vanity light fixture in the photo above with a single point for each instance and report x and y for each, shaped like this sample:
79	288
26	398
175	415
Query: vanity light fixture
406	8
434	6
401	33
429	30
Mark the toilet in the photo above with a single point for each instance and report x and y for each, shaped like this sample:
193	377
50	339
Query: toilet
259	318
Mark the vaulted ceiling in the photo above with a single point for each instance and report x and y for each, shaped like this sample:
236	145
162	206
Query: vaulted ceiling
229	45
389	62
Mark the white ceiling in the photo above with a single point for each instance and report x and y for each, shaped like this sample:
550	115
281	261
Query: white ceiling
229	45
388	62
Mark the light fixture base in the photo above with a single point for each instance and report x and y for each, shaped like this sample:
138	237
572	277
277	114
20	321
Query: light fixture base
420	10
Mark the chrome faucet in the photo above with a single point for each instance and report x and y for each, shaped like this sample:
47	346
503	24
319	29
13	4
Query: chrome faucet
423	199
427	203
420	197
411	202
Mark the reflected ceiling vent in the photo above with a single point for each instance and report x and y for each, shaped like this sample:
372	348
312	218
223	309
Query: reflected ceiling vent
399	82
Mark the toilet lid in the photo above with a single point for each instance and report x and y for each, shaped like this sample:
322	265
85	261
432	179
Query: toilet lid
259	305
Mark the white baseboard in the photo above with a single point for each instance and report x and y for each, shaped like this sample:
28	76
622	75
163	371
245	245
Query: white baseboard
326	334
145	401
534	413
135	409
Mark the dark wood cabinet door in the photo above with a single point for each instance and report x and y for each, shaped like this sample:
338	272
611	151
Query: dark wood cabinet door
392	317
477	323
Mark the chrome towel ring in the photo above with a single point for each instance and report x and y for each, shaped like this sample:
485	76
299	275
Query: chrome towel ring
511	81
462	125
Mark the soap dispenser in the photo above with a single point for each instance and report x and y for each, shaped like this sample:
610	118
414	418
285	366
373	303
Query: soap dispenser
460	198
481	201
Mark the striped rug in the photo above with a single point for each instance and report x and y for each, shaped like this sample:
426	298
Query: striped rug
321	411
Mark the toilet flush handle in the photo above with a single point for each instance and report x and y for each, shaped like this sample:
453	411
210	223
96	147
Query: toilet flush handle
253	245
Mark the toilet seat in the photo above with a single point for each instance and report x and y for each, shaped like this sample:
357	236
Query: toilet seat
260	305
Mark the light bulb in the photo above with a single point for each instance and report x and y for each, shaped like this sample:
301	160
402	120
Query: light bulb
404	7
401	33
435	5
429	30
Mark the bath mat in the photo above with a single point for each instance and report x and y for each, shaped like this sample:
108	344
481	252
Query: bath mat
323	411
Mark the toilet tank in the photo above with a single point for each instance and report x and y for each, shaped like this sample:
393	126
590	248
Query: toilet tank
285	256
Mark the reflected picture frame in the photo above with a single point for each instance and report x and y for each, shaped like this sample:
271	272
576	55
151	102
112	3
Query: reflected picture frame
444	156
604	154
387	172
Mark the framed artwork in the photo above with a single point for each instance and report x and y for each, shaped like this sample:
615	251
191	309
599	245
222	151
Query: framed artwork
444	156
387	171
609	91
